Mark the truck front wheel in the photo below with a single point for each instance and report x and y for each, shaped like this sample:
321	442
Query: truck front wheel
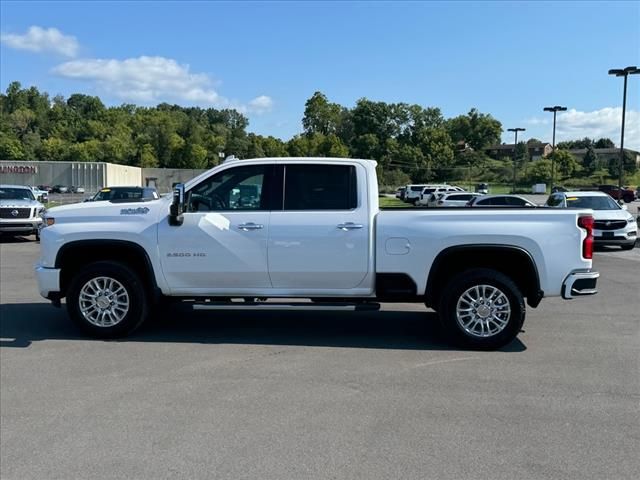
107	300
482	309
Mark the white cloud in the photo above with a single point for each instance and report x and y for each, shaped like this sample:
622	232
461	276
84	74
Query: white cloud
261	104
38	39
574	124
154	79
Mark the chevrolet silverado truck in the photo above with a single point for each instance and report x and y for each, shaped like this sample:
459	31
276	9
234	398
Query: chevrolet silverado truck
291	230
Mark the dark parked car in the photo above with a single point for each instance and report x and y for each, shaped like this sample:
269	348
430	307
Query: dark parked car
46	188
60	189
614	192
125	194
500	201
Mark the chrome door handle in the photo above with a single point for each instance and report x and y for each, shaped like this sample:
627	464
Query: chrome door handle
250	226
350	226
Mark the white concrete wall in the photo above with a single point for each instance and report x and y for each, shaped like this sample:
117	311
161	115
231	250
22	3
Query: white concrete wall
123	175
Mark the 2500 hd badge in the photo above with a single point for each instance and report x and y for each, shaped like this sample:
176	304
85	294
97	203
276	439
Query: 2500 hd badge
186	254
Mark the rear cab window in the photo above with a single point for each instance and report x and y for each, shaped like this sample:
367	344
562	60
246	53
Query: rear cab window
320	187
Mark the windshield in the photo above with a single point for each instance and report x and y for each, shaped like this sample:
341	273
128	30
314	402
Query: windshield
16	194
594	203
133	193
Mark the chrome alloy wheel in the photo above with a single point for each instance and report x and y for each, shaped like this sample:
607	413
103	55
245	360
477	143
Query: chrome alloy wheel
103	301
483	311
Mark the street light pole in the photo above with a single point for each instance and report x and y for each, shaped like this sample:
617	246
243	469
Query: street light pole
515	146
623	72
555	110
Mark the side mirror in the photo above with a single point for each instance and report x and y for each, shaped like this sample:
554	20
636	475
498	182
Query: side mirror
177	206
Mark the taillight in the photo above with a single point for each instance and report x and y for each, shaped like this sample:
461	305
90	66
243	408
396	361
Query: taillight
586	222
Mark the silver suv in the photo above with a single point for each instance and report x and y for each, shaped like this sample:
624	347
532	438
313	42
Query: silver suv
20	212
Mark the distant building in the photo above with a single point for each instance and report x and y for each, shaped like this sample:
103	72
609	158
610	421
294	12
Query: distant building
607	154
537	150
92	176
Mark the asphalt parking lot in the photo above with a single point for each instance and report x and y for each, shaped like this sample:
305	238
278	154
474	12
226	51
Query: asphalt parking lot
370	395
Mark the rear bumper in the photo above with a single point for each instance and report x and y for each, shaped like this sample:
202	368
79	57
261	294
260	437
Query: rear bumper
580	283
48	281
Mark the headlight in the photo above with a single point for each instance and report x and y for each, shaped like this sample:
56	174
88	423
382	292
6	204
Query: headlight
48	221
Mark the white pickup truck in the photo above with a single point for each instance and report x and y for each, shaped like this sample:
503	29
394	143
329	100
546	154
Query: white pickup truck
290	228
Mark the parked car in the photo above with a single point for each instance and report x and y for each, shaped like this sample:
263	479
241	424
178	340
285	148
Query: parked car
74	189
412	193
454	199
500	201
613	224
482	188
46	188
626	194
41	195
423	199
20	212
125	194
60	189
316	232
401	192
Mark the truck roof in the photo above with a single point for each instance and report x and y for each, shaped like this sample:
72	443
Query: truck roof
365	162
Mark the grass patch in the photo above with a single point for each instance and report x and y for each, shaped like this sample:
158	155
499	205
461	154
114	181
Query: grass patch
388	202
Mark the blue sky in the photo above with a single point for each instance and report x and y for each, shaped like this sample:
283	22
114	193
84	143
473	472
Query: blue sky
509	59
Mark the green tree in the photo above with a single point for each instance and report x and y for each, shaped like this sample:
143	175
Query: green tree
590	161
539	172
604	143
478	130
629	165
321	116
566	164
10	147
147	156
54	149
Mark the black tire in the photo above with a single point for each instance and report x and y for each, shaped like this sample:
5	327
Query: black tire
460	284
37	234
138	299
628	247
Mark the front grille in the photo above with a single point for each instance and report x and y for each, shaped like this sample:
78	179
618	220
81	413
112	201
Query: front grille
609	224
9	226
9	213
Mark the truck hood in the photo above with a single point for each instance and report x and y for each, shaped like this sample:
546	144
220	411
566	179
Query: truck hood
110	211
9	203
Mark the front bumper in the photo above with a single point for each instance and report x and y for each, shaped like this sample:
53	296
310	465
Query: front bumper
20	226
580	283
622	236
48	281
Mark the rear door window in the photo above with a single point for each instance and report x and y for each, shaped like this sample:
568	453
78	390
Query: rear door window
320	187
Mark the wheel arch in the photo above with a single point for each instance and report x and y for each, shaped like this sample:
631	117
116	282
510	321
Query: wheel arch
74	255
511	260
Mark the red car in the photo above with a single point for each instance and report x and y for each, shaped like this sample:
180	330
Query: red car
625	194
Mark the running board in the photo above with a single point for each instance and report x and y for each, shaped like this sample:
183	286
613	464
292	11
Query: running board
316	306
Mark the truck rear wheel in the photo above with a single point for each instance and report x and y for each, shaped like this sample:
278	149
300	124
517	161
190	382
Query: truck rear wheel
107	300
482	309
